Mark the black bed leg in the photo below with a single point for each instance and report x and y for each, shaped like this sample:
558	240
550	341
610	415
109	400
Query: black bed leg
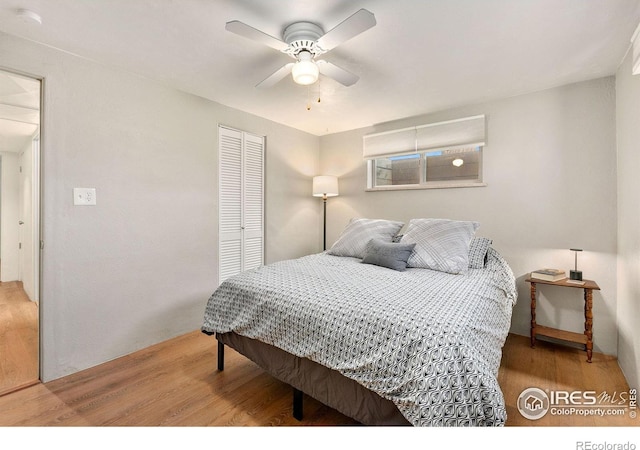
220	356
297	404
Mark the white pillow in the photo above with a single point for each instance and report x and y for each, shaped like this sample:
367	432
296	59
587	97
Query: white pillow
441	244
357	234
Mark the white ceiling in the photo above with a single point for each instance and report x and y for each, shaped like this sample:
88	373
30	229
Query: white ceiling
422	56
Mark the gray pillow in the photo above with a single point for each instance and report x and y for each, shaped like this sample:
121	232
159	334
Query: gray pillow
478	252
388	254
355	237
441	244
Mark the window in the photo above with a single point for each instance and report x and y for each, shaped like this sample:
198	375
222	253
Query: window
459	165
444	154
398	170
433	169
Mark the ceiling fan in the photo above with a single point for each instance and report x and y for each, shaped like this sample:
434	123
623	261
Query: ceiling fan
304	41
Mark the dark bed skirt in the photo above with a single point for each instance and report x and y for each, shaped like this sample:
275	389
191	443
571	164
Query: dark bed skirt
325	385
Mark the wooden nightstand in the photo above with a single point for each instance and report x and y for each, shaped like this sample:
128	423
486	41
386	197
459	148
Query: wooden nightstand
587	337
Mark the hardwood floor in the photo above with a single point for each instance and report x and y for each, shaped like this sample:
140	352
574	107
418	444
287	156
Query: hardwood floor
552	367
18	338
176	383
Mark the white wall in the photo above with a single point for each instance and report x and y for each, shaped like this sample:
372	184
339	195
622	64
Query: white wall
628	140
550	169
10	257
138	267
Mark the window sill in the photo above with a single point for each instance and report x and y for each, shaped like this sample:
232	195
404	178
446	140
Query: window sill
433	185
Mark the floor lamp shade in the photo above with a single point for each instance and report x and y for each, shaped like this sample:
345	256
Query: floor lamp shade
325	185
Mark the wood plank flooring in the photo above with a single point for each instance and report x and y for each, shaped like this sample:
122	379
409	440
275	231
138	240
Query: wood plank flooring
553	367
175	383
18	338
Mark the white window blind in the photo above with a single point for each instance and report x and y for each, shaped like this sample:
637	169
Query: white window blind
241	202
396	142
468	131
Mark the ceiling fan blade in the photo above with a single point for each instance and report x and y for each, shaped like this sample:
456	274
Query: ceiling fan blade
275	76
355	24
337	73
244	30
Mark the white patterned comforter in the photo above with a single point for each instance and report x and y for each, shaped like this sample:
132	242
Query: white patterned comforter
430	342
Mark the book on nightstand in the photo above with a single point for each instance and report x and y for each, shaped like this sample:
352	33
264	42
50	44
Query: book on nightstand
549	274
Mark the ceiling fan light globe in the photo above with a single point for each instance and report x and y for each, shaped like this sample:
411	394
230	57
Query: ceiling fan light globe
305	72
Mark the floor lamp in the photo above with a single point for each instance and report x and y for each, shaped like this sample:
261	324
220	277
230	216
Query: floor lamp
325	186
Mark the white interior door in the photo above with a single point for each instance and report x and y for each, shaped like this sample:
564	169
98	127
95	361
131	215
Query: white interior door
230	203
241	202
253	202
28	219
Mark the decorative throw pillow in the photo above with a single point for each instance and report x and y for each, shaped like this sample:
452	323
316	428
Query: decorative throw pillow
478	252
358	233
387	254
441	244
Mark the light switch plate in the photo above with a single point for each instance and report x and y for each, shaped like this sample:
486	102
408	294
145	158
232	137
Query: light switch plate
84	196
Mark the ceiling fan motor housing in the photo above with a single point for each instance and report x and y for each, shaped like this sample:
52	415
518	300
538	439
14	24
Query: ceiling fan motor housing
302	36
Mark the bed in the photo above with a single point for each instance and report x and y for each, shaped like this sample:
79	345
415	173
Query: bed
387	329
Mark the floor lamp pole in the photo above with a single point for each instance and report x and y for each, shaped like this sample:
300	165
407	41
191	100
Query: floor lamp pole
324	227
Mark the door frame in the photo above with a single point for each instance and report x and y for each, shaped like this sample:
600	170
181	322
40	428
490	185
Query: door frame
37	196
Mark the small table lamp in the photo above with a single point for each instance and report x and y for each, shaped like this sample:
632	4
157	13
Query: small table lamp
575	274
325	186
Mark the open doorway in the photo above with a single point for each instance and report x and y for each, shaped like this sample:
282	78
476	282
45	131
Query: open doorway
20	117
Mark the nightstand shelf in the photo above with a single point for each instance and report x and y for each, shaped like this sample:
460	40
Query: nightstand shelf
585	338
563	335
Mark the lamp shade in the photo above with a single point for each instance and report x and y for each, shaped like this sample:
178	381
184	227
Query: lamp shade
305	71
325	185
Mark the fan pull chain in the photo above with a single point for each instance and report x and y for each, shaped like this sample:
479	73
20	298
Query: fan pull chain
309	96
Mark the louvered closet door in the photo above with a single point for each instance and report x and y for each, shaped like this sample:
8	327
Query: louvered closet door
253	196
241	200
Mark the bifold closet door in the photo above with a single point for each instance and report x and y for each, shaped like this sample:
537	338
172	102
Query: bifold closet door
241	202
